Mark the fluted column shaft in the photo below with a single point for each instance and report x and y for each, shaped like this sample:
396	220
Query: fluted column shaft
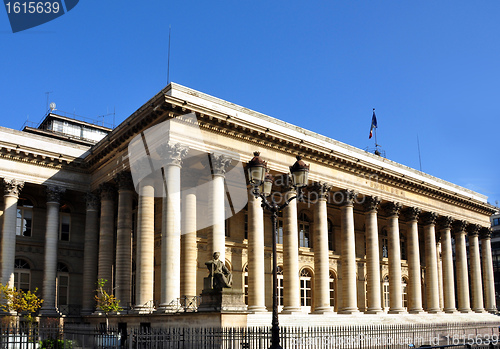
291	283
12	188
461	266
219	165
414	273
145	246
431	267
488	280
475	269
189	250
372	256
395	295
256	271
321	254
349	304
448	275
90	254
123	276
51	240
106	232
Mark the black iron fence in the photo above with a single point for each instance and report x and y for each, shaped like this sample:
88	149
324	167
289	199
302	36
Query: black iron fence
75	336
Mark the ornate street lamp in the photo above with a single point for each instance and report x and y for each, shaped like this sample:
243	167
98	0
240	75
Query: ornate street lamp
262	182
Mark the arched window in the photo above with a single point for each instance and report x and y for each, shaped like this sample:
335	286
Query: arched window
331	236
22	275
280	285
304	237
404	292
64	223
385	295
331	282
24	217
306	290
402	240
385	244
62	284
245	279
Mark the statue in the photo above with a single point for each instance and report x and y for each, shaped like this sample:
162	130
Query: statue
221	276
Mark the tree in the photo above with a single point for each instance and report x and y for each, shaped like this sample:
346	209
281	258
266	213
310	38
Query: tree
105	301
18	301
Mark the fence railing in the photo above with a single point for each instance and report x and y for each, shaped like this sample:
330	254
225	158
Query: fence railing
477	335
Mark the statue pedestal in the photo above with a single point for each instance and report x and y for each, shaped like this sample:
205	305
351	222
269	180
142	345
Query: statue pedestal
224	300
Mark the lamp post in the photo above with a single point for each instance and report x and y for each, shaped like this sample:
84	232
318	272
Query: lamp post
262	182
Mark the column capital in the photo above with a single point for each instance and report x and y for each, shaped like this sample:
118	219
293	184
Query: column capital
459	226
12	187
411	213
220	163
124	181
348	197
107	191
172	154
445	222
392	208
485	233
92	201
54	193
371	203
473	229
322	189
429	218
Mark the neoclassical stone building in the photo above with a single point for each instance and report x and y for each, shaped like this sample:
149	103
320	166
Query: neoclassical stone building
371	235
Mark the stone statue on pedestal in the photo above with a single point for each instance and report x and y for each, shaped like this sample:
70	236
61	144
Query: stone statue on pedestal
220	276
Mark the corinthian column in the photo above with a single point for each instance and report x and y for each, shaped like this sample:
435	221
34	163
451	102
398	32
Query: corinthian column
461	266
11	188
291	285
256	271
431	267
475	269
395	296
106	232
189	250
123	283
90	253
145	246
220	163
447	255
488	280
372	256
348	257
51	238
321	254
172	156
414	273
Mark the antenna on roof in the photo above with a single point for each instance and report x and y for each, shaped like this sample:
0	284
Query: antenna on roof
47	105
168	61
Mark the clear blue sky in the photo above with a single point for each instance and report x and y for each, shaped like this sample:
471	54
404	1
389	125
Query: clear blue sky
430	68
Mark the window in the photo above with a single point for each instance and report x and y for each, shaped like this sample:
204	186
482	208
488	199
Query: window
64	223
332	288
385	289
280	285
306	289
404	292
62	284
24	220
402	240
331	236
496	221
245	279
304	240
385	244
280	228
22	275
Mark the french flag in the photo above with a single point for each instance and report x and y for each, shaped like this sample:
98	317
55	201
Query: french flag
374	124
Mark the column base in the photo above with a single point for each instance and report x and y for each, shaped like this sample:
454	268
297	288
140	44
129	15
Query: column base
291	310
349	311
141	310
323	310
49	312
417	311
374	311
257	309
492	311
451	311
479	310
397	311
434	311
465	310
168	309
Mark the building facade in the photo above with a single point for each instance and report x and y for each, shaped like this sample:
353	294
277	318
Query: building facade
371	236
